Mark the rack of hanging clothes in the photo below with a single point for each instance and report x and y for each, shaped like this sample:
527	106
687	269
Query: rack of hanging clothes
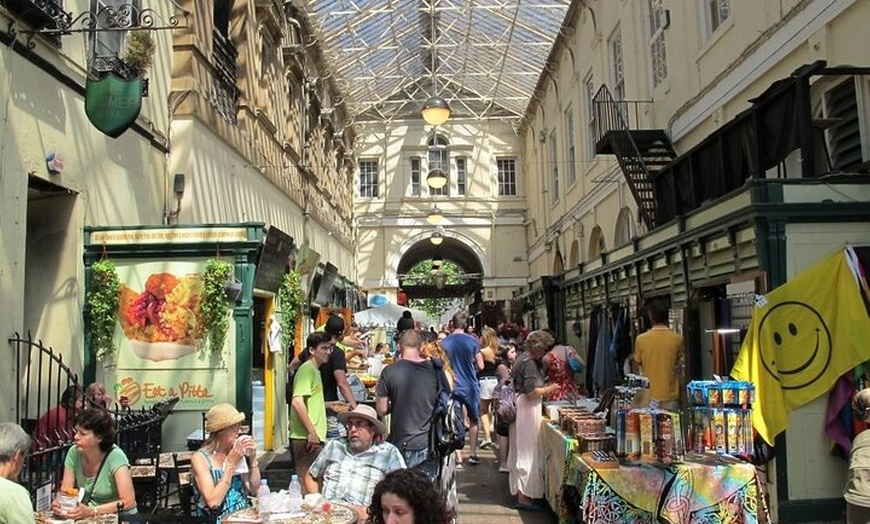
610	345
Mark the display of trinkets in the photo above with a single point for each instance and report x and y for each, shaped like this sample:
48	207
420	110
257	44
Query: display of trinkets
721	417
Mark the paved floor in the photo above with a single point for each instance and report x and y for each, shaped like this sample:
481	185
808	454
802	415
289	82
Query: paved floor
484	496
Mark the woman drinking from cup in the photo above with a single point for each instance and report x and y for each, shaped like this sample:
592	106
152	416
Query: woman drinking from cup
220	488
98	466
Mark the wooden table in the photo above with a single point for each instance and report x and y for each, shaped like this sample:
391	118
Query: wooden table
338	514
47	516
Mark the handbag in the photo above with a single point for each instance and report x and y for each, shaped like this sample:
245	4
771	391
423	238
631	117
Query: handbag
574	363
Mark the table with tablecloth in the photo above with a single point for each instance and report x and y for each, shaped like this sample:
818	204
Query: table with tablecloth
702	488
557	447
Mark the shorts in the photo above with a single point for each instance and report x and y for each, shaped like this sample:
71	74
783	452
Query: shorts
487	387
302	458
471	400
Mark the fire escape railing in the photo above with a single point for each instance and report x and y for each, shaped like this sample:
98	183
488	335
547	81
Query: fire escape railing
612	120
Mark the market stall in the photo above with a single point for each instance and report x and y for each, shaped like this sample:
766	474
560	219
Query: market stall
703	488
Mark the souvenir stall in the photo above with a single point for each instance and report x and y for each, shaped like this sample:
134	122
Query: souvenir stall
650	463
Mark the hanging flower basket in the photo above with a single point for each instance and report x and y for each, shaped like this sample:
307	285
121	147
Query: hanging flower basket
289	304
215	309
102	298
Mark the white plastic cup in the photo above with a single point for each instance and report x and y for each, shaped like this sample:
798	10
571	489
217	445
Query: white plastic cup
67	502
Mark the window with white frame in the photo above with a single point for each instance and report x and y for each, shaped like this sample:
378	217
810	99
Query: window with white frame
415	176
591	125
659	18
507	176
617	68
570	153
368	178
108	40
460	176
554	168
716	13
439	158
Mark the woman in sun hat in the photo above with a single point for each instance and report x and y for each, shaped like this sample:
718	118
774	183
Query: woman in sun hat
219	488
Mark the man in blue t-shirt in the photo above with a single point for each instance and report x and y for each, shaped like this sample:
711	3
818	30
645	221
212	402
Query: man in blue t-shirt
463	351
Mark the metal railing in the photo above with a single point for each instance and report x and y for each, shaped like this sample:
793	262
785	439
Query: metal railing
614	121
224	91
44	378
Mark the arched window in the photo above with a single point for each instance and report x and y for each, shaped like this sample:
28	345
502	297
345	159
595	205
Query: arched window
574	256
596	243
439	158
624	228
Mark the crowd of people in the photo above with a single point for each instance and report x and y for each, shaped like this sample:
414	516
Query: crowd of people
343	449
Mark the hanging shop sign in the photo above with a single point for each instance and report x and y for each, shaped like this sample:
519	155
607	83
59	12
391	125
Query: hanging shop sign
112	103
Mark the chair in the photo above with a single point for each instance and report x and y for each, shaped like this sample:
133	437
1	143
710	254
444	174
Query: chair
182	478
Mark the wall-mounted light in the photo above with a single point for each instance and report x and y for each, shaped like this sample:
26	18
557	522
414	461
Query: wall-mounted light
178	185
436	179
723	331
435	216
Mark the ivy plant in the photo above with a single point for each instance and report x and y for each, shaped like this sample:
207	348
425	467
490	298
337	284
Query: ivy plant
102	297
289	305
214	308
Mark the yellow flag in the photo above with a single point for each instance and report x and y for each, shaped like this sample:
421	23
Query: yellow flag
810	331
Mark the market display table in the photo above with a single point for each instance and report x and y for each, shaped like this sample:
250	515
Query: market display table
557	447
46	517
338	514
703	488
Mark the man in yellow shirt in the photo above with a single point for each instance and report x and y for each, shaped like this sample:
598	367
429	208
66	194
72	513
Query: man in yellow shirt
658	353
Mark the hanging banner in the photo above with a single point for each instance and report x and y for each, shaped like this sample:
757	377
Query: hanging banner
803	336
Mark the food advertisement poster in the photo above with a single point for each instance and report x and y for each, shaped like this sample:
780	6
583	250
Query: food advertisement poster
160	339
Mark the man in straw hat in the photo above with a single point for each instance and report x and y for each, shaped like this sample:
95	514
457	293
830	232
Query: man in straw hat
348	470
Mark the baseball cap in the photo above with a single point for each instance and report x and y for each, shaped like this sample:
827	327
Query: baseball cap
334	325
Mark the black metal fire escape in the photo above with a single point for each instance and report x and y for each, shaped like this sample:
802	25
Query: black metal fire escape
640	152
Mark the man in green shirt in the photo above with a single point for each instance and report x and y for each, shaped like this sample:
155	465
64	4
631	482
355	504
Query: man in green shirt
15	505
308	408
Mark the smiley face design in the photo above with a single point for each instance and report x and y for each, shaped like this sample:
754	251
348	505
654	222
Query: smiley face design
795	344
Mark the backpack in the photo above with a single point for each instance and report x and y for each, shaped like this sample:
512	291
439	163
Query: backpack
506	405
447	424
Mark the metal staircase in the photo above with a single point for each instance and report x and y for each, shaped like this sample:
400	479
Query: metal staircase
640	152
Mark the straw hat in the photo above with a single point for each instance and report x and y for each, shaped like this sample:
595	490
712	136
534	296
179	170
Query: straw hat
364	412
222	416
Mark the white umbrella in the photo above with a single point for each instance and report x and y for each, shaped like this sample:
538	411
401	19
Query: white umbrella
387	316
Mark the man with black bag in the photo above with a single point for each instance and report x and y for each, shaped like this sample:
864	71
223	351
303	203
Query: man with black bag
408	390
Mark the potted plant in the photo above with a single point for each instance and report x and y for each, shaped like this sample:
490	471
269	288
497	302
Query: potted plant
214	308
289	305
102	298
139	51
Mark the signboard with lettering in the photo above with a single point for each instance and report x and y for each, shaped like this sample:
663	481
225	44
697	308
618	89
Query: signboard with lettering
161	341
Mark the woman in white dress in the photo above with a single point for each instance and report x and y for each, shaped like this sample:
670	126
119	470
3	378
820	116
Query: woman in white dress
525	459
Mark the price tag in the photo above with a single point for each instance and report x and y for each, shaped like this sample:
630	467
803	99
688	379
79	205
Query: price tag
760	301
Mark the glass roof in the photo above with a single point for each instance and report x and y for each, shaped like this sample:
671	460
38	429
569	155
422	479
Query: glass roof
487	55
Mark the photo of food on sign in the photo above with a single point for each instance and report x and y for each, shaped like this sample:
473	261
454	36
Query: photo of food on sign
162	320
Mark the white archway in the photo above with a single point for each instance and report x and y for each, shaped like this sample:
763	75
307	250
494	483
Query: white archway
391	268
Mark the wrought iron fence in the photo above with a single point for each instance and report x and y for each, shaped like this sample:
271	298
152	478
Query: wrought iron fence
47	415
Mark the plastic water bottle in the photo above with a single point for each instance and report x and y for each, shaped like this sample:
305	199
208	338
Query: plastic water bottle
295	493
263	502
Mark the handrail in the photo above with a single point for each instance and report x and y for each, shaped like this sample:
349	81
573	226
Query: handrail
612	119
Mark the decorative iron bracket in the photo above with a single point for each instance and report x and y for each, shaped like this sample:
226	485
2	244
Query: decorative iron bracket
124	17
